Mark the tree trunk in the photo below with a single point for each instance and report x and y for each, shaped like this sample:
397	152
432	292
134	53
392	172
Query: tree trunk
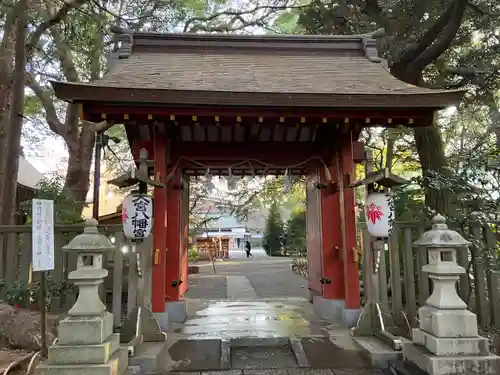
77	182
8	194
430	149
5	106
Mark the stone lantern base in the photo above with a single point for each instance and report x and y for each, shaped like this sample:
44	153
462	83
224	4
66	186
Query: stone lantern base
447	343
86	346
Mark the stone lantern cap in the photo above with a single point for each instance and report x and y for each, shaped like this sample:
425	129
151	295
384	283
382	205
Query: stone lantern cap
440	236
90	240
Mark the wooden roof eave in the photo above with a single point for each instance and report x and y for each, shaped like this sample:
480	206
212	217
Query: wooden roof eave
84	93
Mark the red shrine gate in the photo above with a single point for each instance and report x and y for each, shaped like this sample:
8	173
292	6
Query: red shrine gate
254	105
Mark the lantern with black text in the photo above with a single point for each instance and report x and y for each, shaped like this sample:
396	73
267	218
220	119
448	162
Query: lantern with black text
379	213
137	216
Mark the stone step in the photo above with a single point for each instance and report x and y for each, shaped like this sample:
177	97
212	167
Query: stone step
377	352
188	355
116	365
291	371
148	357
317	352
322	352
84	354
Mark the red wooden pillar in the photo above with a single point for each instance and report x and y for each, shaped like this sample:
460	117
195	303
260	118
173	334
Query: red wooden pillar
351	275
184	232
159	227
333	266
173	276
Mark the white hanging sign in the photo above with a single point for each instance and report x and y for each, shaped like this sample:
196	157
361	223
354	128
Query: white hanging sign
379	213
137	216
43	235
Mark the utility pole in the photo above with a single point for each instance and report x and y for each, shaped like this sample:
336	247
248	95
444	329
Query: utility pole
16	116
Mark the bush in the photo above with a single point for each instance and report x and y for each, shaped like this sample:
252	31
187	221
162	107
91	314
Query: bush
192	253
296	233
273	234
22	294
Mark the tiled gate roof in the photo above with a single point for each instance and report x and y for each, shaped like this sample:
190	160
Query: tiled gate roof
318	71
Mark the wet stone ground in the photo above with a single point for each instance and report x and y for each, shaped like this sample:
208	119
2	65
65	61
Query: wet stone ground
263	318
256	311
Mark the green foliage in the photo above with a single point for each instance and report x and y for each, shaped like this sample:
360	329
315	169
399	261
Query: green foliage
22	294
64	205
192	253
296	230
273	235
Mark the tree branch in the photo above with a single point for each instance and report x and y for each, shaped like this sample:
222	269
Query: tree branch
45	98
98	126
429	36
65	57
191	26
444	40
478	9
52	21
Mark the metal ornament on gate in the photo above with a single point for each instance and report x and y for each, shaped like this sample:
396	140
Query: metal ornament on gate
137	216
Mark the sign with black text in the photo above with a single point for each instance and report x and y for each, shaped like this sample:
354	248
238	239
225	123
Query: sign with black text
43	235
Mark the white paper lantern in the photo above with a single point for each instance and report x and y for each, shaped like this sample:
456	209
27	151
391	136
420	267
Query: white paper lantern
137	216
379	214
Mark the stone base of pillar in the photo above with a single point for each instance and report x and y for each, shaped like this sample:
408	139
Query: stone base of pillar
86	346
350	317
117	364
162	319
447	343
176	311
328	308
311	295
451	365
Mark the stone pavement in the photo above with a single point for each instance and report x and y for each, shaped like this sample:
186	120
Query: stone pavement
252	317
292	371
269	277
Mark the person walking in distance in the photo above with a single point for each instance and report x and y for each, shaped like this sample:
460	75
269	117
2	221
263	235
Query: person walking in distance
248	249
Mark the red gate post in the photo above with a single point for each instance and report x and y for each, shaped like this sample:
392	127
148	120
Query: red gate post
176	306
351	273
159	234
333	266
184	230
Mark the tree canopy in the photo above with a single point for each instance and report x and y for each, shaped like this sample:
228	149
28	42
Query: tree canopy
453	44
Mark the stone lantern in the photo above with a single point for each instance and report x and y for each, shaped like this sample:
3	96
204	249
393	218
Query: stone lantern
89	274
86	340
447	341
441	245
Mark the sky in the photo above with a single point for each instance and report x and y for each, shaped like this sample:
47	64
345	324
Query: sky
50	157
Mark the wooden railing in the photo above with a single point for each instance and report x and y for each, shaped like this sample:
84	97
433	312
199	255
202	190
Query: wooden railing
19	283
404	287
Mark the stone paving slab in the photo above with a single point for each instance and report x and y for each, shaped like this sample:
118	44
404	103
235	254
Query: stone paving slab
239	287
196	355
262	357
207	287
270	277
293	371
321	352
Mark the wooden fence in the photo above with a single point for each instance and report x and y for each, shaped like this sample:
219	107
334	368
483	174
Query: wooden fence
404	287
19	285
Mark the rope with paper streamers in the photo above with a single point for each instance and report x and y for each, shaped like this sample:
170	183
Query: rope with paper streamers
249	162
